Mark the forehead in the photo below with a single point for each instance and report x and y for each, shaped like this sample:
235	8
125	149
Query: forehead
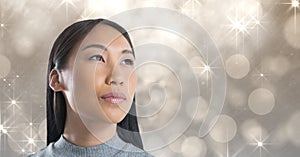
106	35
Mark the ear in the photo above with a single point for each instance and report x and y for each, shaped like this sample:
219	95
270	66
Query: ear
54	82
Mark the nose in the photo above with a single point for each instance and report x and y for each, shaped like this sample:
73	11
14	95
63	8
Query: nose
114	77
115	82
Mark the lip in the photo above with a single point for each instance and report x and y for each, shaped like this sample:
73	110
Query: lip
114	97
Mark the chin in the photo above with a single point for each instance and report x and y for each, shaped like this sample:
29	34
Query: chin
115	113
115	120
116	117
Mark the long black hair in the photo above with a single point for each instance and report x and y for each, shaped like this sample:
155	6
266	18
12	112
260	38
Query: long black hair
127	129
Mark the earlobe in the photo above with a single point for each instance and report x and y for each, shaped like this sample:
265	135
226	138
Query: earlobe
54	82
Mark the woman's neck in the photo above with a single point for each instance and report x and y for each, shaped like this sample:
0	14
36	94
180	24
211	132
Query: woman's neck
76	132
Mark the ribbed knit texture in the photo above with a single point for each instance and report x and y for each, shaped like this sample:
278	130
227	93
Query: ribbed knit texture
115	147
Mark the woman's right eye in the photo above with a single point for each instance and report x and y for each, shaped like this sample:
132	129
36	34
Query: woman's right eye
97	58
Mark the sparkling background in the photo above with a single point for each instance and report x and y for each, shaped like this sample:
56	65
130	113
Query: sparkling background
259	41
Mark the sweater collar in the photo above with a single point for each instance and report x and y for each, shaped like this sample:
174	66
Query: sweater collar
112	146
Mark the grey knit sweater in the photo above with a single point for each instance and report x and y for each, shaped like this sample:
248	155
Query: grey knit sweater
115	147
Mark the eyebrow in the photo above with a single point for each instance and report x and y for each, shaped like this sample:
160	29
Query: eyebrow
104	48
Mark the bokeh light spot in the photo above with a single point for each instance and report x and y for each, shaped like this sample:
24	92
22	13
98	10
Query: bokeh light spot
261	101
224	130
237	66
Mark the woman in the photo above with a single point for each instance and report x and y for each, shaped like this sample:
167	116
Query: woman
90	93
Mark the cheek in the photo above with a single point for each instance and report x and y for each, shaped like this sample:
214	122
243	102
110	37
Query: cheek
84	77
83	90
99	79
132	84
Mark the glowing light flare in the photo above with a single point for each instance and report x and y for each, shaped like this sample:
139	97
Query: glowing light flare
190	7
13	102
243	20
87	14
3	26
260	145
295	3
261	74
30	141
4	131
67	2
239	25
206	68
255	23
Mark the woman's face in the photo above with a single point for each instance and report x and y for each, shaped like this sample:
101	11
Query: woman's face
99	79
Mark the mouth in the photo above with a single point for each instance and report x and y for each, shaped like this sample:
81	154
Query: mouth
114	97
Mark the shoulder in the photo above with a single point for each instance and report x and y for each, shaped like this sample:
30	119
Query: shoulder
133	151
45	152
126	149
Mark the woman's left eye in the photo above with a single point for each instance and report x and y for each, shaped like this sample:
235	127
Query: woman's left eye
128	62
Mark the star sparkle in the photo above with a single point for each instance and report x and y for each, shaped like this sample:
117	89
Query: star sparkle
23	127
3	129
4	18
294	5
19	127
190	7
244	24
261	74
260	145
86	14
66	4
208	66
3	28
27	140
13	102
239	26
30	140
